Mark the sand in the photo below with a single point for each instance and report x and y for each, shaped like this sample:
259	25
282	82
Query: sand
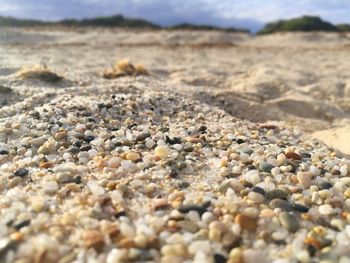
299	78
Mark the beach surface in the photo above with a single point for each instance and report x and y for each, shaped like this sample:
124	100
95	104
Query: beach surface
227	148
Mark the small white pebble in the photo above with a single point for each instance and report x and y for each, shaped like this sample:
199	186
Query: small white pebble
95	188
325	209
162	151
252	177
50	188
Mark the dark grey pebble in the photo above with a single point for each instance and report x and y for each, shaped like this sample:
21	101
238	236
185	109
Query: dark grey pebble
266	167
282	204
3	152
325	185
74	150
19	225
259	190
77	144
35	114
277	193
21	172
240	141
142	137
89	139
175	140
218	258
300	208
85	148
202	129
188	148
201	209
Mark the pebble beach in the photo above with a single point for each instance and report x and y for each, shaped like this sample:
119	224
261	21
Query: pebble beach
135	169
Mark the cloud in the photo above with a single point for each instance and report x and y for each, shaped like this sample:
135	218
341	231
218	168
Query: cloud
244	13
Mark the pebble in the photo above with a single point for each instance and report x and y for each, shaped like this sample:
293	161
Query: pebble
93	239
142	137
3	152
22	172
325	209
199	246
95	189
246	222
162	151
300	208
201	209
50	188
282	204
218	258
293	156
277	194
132	156
252	177
304	178
289	221
325	185
266	167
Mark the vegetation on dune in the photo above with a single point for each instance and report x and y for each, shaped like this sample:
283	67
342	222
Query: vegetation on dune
302	24
110	21
344	27
188	26
125	68
39	72
10	21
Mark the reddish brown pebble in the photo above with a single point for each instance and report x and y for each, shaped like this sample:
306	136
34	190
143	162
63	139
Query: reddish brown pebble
293	155
93	239
246	222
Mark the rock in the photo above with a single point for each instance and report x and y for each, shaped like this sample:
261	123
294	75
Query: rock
277	194
132	156
304	178
162	151
201	209
5	245
246	222
293	156
93	239
282	204
326	209
142	137
325	185
218	258
85	148
289	221
252	177
96	189
60	135
21	224
259	190
50	188
196	246
253	256
266	167
3	152
300	208
188	226
21	172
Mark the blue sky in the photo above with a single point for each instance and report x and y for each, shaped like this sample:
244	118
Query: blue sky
242	13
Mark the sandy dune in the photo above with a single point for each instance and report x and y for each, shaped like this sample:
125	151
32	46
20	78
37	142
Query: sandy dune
302	79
